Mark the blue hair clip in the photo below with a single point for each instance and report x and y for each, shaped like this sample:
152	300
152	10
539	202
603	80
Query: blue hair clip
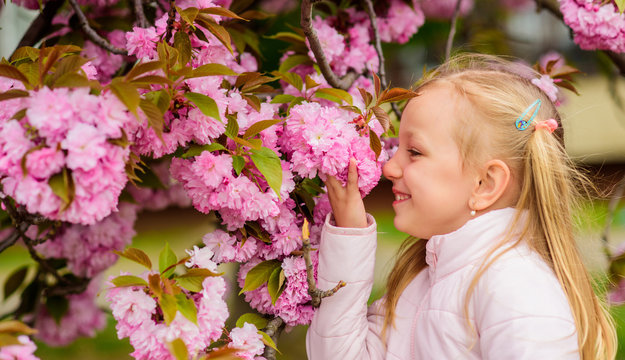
521	123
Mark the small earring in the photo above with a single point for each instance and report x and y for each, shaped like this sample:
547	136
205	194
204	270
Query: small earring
472	212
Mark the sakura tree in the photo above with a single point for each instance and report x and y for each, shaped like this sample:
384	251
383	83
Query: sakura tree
111	107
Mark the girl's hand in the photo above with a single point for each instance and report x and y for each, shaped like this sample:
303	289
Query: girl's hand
347	205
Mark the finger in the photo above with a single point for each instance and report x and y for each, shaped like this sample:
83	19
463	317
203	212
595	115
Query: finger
352	174
332	182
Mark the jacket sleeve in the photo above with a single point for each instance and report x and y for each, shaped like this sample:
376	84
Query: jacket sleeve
523	313
342	327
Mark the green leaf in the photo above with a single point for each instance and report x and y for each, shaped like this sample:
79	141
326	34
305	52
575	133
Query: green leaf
288	37
252	101
382	117
374	143
310	83
353	109
274	286
160	98
251	143
62	185
15	280
12	94
259	275
282	99
136	255
291	78
128	280
213	69
198	272
12	72
169	306
14	326
187	307
260	126
149	179
165	260
72	80
268	341
219	31
179	349
238	162
268	163
620	4
57	307
336	95
252	318
127	94
189	14
395	94
232	128
7	340
195	150
142	68
69	64
25	52
206	105
151	79
193	284
221	12
182	43
293	61
156	119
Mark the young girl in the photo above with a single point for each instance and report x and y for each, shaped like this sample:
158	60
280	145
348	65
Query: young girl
483	186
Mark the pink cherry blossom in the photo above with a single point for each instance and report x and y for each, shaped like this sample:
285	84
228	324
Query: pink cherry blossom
24	351
248	339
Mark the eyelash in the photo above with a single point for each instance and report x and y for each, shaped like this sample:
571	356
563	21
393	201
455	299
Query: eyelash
414	152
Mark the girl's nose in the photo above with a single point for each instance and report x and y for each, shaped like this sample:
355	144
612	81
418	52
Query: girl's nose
391	169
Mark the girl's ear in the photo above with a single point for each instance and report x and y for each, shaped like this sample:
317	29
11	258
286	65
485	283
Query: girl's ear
491	185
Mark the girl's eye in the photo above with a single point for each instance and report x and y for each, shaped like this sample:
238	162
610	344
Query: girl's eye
414	152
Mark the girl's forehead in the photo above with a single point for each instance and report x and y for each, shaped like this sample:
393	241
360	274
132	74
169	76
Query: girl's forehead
434	108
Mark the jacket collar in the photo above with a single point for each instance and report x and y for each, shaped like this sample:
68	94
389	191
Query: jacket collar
450	252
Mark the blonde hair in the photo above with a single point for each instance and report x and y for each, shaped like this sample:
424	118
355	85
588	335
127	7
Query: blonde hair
497	92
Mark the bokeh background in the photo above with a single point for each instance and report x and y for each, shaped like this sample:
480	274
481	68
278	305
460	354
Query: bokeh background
594	134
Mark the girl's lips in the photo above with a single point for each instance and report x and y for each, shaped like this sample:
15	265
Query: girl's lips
400	197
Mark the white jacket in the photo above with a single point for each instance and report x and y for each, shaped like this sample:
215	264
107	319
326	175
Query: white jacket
518	309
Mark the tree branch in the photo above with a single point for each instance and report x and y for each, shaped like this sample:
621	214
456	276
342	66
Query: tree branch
452	30
554	9
92	34
141	19
306	23
171	15
378	48
42	25
273	329
315	293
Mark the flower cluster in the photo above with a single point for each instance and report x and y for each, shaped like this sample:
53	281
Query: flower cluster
58	159
89	249
83	318
321	140
595	26
293	304
24	351
248	340
140	319
444	9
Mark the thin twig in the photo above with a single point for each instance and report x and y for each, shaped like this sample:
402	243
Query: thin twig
378	48
314	292
92	34
306	23
273	329
553	8
452	30
171	16
614	200
141	19
12	238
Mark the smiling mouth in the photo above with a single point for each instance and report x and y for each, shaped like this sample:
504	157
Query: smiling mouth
400	198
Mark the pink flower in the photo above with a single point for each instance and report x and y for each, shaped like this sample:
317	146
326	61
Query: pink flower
131	305
595	27
43	163
24	351
546	84
401	21
141	42
444	9
85	146
248	339
51	113
201	257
